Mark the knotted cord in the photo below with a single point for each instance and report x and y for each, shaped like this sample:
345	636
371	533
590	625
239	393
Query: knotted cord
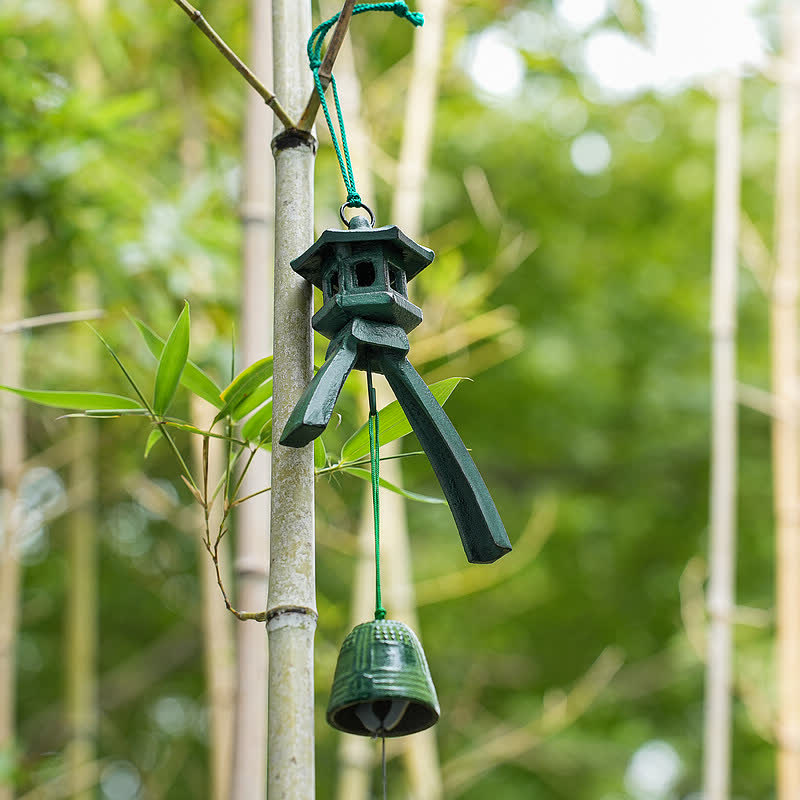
314	49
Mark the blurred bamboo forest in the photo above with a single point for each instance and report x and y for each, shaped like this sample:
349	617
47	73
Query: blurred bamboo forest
575	294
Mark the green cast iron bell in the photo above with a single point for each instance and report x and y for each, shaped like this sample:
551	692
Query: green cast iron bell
382	685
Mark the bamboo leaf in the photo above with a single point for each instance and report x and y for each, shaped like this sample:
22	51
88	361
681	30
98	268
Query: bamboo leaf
122	367
252	429
171	363
254	400
152	440
75	400
392	422
265	437
244	384
320	454
111	413
193	378
187	475
366	475
194	490
189	428
185	426
117	111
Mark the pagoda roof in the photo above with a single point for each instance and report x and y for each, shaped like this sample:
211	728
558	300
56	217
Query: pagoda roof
414	257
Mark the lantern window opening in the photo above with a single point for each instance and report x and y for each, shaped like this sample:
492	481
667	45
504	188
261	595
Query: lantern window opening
397	278
365	273
332	285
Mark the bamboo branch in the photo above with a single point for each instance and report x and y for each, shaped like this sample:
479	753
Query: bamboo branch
154	499
755	253
239	65
557	714
757	399
220	671
251	565
51	319
482	198
14	251
121	684
65	784
469	581
158	781
82	592
326	69
445	344
693	616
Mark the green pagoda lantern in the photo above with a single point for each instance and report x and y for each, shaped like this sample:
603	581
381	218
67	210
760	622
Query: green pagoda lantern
363	273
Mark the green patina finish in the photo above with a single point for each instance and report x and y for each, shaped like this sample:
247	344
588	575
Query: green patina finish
382	685
363	274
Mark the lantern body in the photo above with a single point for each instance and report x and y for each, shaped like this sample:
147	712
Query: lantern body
382	685
363	273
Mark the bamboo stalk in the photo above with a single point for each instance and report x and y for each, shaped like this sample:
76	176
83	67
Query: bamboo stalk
14	258
786	452
82	617
217	624
291	607
219	655
252	535
722	544
82	606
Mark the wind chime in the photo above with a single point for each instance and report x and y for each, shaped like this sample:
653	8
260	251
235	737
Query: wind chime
382	686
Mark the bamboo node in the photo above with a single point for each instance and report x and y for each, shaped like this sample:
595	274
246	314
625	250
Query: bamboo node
292	137
255	212
303	612
250	568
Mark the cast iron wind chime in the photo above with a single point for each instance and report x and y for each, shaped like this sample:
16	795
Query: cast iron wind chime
382	686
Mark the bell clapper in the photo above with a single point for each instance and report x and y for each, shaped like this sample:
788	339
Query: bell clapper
381	716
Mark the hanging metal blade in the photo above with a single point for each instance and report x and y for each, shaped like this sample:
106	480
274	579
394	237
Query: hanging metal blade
314	409
482	532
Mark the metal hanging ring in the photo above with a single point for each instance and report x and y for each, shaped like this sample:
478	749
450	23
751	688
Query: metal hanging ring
366	208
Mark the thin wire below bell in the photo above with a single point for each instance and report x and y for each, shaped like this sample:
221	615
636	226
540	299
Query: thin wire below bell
383	764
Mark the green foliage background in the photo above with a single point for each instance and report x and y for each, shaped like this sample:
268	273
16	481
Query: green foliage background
602	412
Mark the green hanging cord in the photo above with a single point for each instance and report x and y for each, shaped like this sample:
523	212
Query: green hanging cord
374	445
314	49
